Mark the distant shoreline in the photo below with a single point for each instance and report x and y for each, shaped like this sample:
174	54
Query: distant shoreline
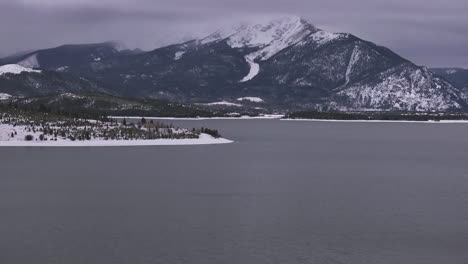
378	121
200	118
281	118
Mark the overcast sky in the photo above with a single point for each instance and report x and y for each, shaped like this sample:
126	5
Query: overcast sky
428	32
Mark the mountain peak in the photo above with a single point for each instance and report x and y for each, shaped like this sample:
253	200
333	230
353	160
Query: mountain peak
260	33
286	29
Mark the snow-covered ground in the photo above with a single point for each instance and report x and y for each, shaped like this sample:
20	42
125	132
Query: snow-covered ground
380	121
251	99
15	135
4	96
15	69
18	141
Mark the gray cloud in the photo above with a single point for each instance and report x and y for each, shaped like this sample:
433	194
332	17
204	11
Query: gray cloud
429	32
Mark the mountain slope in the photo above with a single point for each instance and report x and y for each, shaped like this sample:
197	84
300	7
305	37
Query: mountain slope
402	88
70	58
457	76
17	80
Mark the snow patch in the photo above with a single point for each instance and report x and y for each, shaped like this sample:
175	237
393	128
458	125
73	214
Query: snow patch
178	55
62	69
251	99
72	96
4	96
352	61
15	69
224	103
254	68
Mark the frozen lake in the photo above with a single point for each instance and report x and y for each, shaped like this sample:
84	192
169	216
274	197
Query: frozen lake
283	192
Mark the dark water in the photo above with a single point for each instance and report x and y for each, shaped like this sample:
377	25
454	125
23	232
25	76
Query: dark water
285	192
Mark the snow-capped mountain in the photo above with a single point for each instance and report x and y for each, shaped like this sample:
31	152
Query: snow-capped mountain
287	62
268	39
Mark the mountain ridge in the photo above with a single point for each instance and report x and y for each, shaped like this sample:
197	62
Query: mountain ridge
288	62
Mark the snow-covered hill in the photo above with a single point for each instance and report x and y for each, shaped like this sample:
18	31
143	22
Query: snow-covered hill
399	89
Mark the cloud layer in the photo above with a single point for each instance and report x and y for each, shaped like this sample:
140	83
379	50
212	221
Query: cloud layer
429	32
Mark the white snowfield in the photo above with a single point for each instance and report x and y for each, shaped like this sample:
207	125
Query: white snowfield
4	96
251	99
15	69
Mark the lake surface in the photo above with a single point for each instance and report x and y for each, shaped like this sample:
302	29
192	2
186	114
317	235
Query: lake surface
284	192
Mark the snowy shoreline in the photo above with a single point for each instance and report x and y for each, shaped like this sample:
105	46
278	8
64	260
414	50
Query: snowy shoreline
204	139
378	121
